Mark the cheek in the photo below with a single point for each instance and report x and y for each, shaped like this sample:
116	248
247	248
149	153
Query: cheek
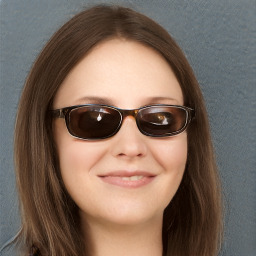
76	157
172	153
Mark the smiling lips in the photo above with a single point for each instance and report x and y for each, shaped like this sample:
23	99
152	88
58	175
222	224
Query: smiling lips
128	179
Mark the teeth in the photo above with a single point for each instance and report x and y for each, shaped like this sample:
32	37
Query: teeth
132	178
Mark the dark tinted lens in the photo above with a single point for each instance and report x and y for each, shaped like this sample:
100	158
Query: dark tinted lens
162	121
93	122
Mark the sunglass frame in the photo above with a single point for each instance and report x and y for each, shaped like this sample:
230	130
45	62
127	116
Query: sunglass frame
65	113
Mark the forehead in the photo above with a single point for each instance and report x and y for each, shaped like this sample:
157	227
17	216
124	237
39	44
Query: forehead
125	72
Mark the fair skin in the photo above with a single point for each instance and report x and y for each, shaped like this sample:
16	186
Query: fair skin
116	219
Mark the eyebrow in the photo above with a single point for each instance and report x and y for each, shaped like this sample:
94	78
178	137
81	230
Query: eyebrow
160	99
94	100
108	101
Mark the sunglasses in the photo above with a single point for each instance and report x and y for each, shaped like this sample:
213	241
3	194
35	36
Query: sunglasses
95	122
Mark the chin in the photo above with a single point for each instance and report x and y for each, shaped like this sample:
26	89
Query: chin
128	216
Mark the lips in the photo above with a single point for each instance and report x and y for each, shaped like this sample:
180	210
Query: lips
128	179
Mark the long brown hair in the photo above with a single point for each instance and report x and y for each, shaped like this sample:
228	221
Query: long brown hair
193	219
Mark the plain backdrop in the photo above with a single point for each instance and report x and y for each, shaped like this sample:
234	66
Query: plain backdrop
219	40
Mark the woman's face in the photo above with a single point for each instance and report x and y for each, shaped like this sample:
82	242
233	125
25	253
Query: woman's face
127	75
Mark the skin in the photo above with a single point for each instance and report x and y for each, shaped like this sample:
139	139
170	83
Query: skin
123	221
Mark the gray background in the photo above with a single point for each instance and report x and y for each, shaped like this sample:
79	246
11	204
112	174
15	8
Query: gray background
218	38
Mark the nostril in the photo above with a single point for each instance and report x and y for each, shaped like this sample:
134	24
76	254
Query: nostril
129	154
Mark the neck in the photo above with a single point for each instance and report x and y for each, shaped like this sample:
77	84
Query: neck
108	239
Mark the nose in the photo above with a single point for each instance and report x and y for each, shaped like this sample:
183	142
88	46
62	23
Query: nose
129	142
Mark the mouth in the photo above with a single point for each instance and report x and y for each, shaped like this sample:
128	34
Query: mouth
128	179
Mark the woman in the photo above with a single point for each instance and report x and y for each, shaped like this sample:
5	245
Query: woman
112	145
